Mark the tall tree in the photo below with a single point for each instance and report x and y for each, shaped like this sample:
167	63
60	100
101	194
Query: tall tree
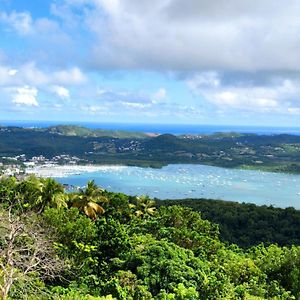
143	206
52	194
26	250
89	200
39	193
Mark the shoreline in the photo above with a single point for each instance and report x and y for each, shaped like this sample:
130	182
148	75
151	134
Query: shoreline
181	182
62	171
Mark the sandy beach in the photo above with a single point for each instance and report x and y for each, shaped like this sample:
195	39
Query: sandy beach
51	170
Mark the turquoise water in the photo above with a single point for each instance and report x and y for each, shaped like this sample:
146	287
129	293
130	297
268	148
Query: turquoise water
198	181
162	128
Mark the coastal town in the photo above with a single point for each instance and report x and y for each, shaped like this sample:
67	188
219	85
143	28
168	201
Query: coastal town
79	146
17	165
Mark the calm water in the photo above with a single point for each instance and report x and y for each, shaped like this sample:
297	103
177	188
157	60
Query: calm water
195	181
161	128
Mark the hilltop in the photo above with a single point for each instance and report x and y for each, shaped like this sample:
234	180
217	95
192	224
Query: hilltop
75	130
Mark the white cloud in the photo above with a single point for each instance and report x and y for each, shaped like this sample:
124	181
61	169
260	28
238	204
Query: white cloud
294	110
12	72
25	25
135	105
160	95
71	76
19	21
61	92
280	96
30	74
210	39
25	96
195	35
243	99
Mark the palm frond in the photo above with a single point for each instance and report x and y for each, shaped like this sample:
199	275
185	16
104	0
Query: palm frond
96	207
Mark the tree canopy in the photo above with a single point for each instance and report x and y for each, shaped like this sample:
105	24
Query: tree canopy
131	250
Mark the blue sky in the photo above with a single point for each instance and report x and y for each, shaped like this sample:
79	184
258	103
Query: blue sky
160	61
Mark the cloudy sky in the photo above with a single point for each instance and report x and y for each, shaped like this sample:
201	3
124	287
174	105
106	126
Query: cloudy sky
159	61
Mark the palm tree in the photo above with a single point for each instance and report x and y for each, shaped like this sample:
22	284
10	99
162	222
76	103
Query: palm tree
52	194
88	199
41	193
29	191
143	206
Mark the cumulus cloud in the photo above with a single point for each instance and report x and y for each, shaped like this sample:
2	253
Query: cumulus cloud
12	72
160	95
233	55
71	76
199	34
243	99
23	82
61	92
25	25
168	34
25	96
279	96
19	21
30	74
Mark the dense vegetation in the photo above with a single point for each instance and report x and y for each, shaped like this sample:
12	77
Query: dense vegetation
94	244
279	153
73	130
246	224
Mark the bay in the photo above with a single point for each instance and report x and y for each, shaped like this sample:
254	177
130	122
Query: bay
180	181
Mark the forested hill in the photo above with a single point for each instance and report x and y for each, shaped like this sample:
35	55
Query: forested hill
74	130
247	224
97	245
271	152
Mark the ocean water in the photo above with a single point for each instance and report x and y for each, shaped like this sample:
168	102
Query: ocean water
197	181
161	128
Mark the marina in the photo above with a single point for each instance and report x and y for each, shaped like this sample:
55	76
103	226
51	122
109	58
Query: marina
180	181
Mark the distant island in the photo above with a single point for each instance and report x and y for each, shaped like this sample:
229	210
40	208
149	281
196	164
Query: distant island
70	144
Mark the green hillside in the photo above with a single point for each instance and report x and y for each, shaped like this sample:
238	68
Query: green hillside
276	153
247	224
74	130
95	245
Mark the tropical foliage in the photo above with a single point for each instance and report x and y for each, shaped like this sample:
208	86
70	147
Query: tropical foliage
246	224
128	249
88	199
